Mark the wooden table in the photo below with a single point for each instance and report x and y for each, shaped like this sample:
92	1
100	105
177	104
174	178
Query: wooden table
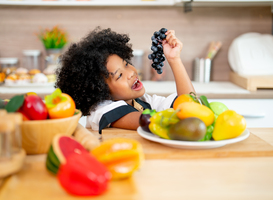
237	171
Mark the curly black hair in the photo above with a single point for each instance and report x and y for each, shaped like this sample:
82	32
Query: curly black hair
83	67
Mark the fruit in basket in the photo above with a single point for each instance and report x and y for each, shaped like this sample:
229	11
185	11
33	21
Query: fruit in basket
33	108
60	105
144	119
184	98
229	124
161	121
189	129
121	156
192	109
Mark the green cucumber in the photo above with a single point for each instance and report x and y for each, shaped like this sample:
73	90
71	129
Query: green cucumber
52	168
52	157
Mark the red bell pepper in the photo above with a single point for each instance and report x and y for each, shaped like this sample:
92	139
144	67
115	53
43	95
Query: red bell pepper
83	175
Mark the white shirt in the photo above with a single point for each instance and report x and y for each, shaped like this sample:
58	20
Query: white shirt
109	111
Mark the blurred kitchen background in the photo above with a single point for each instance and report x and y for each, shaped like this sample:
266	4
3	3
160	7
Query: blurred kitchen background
213	21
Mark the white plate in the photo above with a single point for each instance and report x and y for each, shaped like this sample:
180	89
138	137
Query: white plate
191	145
29	85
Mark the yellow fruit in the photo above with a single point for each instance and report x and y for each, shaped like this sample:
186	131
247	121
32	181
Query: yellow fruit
229	124
192	109
121	156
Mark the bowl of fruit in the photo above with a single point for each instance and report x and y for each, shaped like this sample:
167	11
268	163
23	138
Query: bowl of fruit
42	120
193	123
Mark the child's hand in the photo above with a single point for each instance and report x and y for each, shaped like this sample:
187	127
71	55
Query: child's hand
172	46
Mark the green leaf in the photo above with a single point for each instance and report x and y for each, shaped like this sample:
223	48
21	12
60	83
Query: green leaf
153	112
15	103
148	111
204	101
194	97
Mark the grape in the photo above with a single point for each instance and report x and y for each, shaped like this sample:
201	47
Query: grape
154	48
162	36
162	59
163	30
156	60
154	42
160	71
158	56
154	65
159	47
156	34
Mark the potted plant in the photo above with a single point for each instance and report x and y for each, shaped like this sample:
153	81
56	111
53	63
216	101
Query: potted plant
55	38
54	41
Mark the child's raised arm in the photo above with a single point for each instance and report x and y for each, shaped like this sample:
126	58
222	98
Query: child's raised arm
172	48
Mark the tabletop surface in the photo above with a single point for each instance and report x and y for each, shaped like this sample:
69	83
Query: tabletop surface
233	171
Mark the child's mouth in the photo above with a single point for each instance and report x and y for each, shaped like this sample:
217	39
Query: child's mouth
137	85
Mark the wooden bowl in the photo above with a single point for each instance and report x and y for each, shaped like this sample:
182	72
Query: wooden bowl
37	135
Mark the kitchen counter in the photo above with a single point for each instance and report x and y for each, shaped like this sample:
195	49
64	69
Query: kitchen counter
237	171
218	90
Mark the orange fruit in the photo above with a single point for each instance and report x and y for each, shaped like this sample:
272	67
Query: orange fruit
192	109
182	99
121	156
62	109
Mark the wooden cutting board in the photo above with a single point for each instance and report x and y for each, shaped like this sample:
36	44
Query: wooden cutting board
252	83
253	146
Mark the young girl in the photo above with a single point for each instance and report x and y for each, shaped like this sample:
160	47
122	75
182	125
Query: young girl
98	75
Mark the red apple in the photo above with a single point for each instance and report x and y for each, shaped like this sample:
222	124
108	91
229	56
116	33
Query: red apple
34	108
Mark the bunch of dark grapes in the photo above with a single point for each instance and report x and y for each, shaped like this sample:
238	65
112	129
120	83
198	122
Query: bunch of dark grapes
157	56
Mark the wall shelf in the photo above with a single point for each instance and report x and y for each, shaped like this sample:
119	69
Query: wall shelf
88	3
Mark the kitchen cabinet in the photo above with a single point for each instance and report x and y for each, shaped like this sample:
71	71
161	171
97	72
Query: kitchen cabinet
257	112
132	2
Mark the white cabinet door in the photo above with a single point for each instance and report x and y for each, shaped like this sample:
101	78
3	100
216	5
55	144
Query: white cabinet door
257	112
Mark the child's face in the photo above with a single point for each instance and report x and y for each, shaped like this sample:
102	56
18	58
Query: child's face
123	80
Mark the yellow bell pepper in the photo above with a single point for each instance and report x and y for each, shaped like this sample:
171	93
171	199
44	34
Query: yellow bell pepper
229	124
160	122
121	156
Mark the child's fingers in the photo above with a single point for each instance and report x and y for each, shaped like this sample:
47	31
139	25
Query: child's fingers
170	32
172	40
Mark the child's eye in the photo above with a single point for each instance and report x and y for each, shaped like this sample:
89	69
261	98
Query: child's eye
119	76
